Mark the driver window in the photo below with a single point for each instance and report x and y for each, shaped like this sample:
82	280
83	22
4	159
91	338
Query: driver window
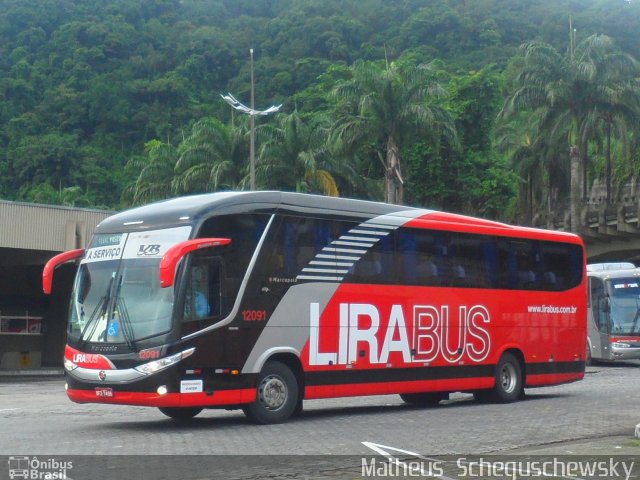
203	303
598	303
603	314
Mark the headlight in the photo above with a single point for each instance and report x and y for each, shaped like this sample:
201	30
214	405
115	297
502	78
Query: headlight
69	365
157	365
620	345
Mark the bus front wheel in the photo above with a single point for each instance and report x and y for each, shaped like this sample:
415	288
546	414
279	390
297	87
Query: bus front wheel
180	413
276	396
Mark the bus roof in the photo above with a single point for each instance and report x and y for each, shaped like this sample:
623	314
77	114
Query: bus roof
625	269
190	210
609	266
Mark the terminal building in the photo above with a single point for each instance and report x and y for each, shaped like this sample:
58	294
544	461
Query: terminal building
33	325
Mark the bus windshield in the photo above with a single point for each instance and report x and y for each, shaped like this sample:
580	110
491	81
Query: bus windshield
624	294
120	302
117	296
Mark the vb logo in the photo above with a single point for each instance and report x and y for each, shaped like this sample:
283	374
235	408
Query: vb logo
148	250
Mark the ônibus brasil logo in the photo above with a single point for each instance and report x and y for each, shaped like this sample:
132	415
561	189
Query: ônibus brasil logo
37	469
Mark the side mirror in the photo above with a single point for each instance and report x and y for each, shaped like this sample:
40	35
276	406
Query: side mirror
172	258
47	273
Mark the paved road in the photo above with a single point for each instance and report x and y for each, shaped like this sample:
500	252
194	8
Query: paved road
37	419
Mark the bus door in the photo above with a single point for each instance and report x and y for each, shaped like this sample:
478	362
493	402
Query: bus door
598	321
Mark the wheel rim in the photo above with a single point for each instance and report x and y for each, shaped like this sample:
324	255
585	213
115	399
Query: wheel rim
273	392
508	378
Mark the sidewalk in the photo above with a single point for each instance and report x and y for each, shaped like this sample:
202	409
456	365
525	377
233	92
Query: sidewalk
608	445
32	373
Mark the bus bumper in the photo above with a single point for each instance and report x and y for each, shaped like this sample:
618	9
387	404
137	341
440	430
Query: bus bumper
145	399
625	350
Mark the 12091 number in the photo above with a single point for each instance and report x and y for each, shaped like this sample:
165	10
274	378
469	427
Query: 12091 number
254	315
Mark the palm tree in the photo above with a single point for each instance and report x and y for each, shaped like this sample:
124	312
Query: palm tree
518	143
388	107
618	108
294	156
212	157
566	89
156	178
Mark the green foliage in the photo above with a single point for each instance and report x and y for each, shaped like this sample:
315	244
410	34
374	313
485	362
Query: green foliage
577	98
96	95
294	156
473	183
387	106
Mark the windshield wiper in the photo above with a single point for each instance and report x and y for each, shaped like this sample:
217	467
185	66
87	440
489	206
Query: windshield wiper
103	306
125	321
635	319
92	323
126	325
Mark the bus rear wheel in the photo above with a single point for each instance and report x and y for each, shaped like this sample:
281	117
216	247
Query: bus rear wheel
426	399
276	396
180	413
509	383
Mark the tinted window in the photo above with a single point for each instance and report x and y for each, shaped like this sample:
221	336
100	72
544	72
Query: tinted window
438	258
377	263
301	247
214	275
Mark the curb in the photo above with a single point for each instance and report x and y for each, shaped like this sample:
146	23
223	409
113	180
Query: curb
47	372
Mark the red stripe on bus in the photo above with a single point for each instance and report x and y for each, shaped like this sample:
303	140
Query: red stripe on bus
389	388
145	399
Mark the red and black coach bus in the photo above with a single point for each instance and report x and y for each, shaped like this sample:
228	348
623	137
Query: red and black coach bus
258	300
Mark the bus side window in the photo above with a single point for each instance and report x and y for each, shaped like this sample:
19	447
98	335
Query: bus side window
550	280
561	266
244	230
419	257
466	260
427	272
490	256
604	313
598	304
203	302
292	247
377	266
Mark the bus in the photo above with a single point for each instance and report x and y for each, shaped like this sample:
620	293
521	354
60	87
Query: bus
614	312
260	300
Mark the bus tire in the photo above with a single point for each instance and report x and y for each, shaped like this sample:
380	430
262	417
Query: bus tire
509	385
180	413
425	399
276	395
299	408
482	396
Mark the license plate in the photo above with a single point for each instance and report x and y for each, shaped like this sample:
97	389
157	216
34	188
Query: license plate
104	392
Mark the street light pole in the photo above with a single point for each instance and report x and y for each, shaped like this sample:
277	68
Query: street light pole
252	112
252	142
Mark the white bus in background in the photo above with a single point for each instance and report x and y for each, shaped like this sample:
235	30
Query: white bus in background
598	267
614	312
